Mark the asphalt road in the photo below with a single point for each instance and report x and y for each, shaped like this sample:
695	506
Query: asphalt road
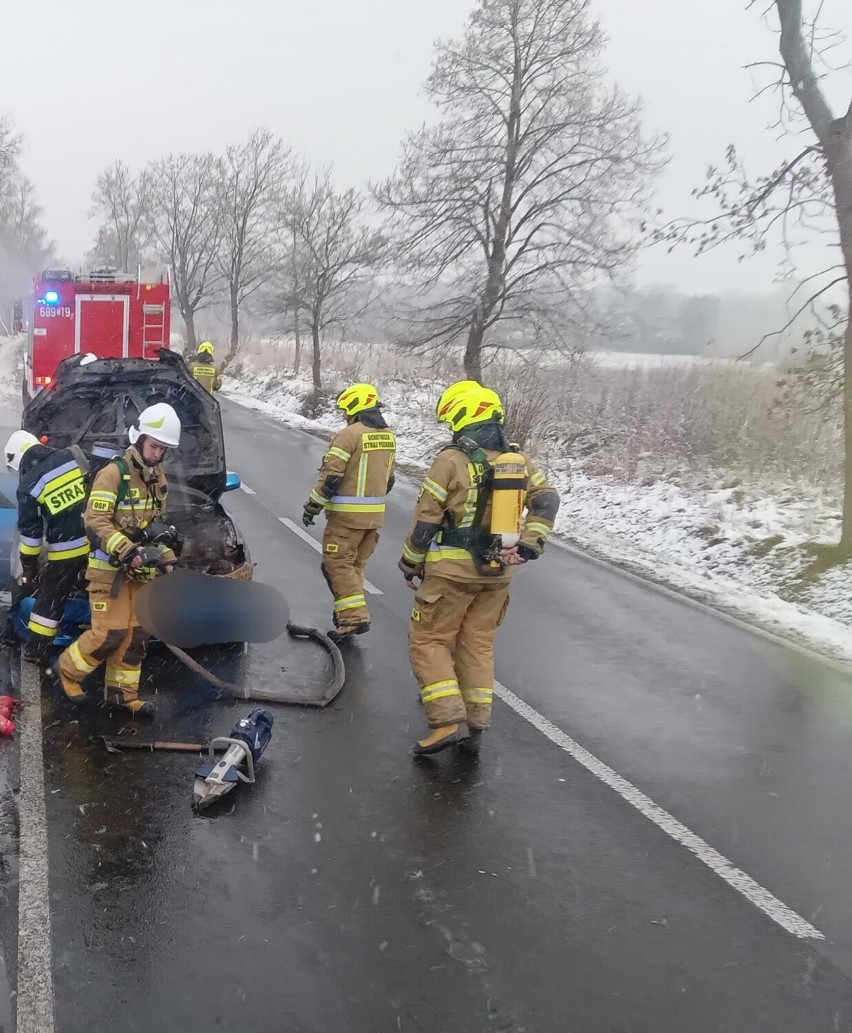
674	878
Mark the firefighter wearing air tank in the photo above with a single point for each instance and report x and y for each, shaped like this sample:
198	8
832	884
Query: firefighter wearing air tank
51	501
484	509
357	473
203	368
127	495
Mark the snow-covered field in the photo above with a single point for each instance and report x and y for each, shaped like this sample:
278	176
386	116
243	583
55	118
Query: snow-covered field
737	548
11	367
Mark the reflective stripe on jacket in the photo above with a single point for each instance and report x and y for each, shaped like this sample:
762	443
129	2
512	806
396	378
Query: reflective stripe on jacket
356	475
448	499
109	524
204	372
51	498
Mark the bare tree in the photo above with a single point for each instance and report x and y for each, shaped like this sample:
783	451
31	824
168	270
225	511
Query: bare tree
10	148
24	245
254	173
806	195
22	231
120	200
292	280
327	254
183	221
518	198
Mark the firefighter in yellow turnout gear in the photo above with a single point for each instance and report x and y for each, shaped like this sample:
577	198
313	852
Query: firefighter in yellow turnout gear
126	496
484	509
203	368
357	473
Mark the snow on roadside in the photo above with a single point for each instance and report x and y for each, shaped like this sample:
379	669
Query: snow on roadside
737	549
11	367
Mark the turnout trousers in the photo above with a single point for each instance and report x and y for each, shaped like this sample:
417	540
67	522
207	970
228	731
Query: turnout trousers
115	638
345	551
58	578
451	646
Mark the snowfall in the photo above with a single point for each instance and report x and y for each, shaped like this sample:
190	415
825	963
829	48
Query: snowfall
735	549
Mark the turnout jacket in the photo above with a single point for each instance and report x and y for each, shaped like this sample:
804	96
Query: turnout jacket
357	473
448	500
202	368
51	501
111	521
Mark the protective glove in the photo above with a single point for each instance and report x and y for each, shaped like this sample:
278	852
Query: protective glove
410	572
526	552
311	510
30	573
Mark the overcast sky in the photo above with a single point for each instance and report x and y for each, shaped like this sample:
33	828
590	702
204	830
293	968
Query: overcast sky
341	80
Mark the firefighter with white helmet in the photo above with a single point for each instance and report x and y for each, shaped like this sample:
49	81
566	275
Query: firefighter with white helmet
127	495
484	509
357	473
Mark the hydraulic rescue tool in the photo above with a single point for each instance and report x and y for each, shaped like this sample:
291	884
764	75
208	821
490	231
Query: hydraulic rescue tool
245	745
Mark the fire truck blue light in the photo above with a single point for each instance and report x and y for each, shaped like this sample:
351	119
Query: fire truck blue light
51	297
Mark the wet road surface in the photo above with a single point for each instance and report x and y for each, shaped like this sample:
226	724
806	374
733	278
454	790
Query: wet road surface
352	889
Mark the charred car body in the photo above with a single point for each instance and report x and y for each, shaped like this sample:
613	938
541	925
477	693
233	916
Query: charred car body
92	405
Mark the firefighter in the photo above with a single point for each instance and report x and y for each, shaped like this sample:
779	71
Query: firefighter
127	495
468	534
51	501
357	473
203	368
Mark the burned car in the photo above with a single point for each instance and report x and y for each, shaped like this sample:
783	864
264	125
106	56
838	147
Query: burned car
94	404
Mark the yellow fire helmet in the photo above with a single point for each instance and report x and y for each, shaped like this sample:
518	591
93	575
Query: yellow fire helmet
451	393
356	398
473	405
207	347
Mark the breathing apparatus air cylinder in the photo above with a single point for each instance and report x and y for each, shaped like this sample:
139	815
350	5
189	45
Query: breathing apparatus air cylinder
508	495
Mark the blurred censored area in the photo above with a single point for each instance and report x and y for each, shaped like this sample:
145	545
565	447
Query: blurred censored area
188	609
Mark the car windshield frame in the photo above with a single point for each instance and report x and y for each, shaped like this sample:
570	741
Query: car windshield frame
106	397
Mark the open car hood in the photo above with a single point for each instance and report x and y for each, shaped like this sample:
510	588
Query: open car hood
99	401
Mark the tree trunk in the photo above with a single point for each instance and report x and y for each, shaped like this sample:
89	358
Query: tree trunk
315	368
839	160
496	273
297	357
473	352
846	527
835	135
297	360
234	343
191	339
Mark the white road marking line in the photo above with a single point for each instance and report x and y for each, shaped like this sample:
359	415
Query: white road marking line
735	877
35	957
369	587
244	487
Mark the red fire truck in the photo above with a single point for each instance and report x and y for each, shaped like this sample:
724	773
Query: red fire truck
112	315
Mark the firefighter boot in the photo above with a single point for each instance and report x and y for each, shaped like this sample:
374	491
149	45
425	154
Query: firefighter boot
140	708
36	650
440	738
73	690
471	745
344	632
136	707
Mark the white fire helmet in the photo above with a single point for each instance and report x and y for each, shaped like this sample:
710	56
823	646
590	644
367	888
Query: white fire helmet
17	444
160	423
